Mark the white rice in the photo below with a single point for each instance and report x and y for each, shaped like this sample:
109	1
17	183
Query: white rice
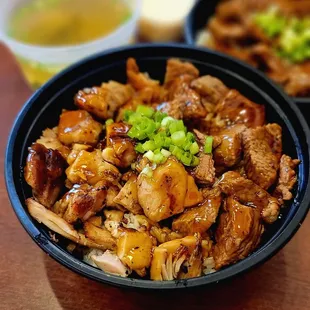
208	265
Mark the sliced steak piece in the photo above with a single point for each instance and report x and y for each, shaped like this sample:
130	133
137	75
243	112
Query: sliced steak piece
250	194
234	108
287	178
276	144
185	104
228	153
201	139
204	173
199	219
210	88
238	233
176	68
261	164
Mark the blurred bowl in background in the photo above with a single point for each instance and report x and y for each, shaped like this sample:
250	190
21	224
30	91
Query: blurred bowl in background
196	21
40	63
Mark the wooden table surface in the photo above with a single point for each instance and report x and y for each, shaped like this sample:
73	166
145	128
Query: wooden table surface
29	279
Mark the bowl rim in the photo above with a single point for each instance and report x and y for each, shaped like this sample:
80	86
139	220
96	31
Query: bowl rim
189	35
82	268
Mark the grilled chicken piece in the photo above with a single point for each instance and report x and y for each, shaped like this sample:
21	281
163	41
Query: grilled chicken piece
200	218
287	178
142	82
78	127
234	108
44	172
89	167
109	263
176	68
100	235
171	258
193	195
134	249
59	225
228	153
81	202
261	164
50	140
164	234
138	222
238	233
163	194
95	220
123	151
113	215
112	192
204	173
105	100
113	221
128	196
250	194
76	149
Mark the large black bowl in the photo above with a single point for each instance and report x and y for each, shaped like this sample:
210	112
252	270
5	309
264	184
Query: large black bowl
196	21
44	107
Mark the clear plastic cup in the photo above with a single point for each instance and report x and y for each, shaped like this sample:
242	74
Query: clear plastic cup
40	63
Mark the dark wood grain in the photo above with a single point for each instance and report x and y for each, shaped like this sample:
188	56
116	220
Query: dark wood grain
29	279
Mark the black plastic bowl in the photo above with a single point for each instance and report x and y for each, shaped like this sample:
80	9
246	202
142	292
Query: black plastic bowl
44	107
197	20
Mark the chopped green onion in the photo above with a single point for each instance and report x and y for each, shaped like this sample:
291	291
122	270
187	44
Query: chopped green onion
149	155
195	161
159	139
158	133
149	145
166	121
194	148
135	133
178	138
208	145
134	118
127	114
147	171
176	151
186	158
144	110
167	142
187	145
159	158
109	121
159	116
190	137
176	126
165	152
139	148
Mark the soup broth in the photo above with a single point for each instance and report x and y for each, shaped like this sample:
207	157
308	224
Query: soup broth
66	22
